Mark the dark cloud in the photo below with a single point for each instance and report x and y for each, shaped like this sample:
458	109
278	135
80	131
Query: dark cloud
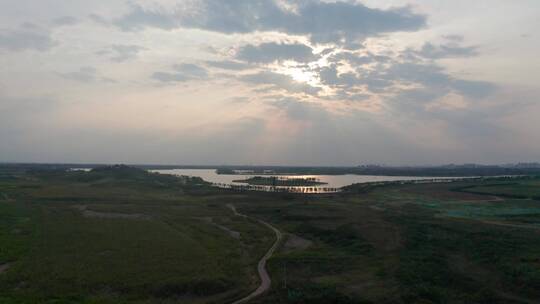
432	82
26	37
270	52
434	77
385	74
474	89
182	72
355	75
446	51
336	22
329	76
429	75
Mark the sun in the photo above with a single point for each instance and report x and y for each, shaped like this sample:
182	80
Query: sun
300	75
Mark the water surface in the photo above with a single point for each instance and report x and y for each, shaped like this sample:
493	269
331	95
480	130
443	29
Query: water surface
333	182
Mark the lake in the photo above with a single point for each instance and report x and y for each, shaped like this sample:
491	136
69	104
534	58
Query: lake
333	182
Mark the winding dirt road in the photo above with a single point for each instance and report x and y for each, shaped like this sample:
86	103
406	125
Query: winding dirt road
263	274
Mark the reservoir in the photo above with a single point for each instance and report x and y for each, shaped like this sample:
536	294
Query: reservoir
333	183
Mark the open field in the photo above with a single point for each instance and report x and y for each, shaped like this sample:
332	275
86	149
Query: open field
120	235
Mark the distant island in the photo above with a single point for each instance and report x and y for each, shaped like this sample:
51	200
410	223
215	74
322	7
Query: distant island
281	182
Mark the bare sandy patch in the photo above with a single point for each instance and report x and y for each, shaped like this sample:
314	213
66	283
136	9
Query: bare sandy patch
110	215
294	242
210	220
4	267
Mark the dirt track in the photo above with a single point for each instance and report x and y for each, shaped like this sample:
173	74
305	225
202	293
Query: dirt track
263	274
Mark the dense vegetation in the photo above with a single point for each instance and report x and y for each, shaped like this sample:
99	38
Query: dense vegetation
119	234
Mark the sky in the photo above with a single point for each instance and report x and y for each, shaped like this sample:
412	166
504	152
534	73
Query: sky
270	82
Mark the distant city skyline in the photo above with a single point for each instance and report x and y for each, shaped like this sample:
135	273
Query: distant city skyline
269	82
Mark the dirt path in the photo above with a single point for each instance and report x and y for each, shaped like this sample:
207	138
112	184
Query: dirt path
493	198
525	226
263	274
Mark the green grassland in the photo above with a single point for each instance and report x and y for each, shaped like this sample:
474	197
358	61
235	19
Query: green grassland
525	188
77	238
424	243
120	235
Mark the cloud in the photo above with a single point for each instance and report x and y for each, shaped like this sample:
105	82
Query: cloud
65	21
139	18
446	51
182	72
86	74
330	76
354	58
191	70
434	77
98	19
301	110
276	81
122	52
322	22
393	77
454	38
429	75
228	65
26	37
474	89
354	75
239	100
271	52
